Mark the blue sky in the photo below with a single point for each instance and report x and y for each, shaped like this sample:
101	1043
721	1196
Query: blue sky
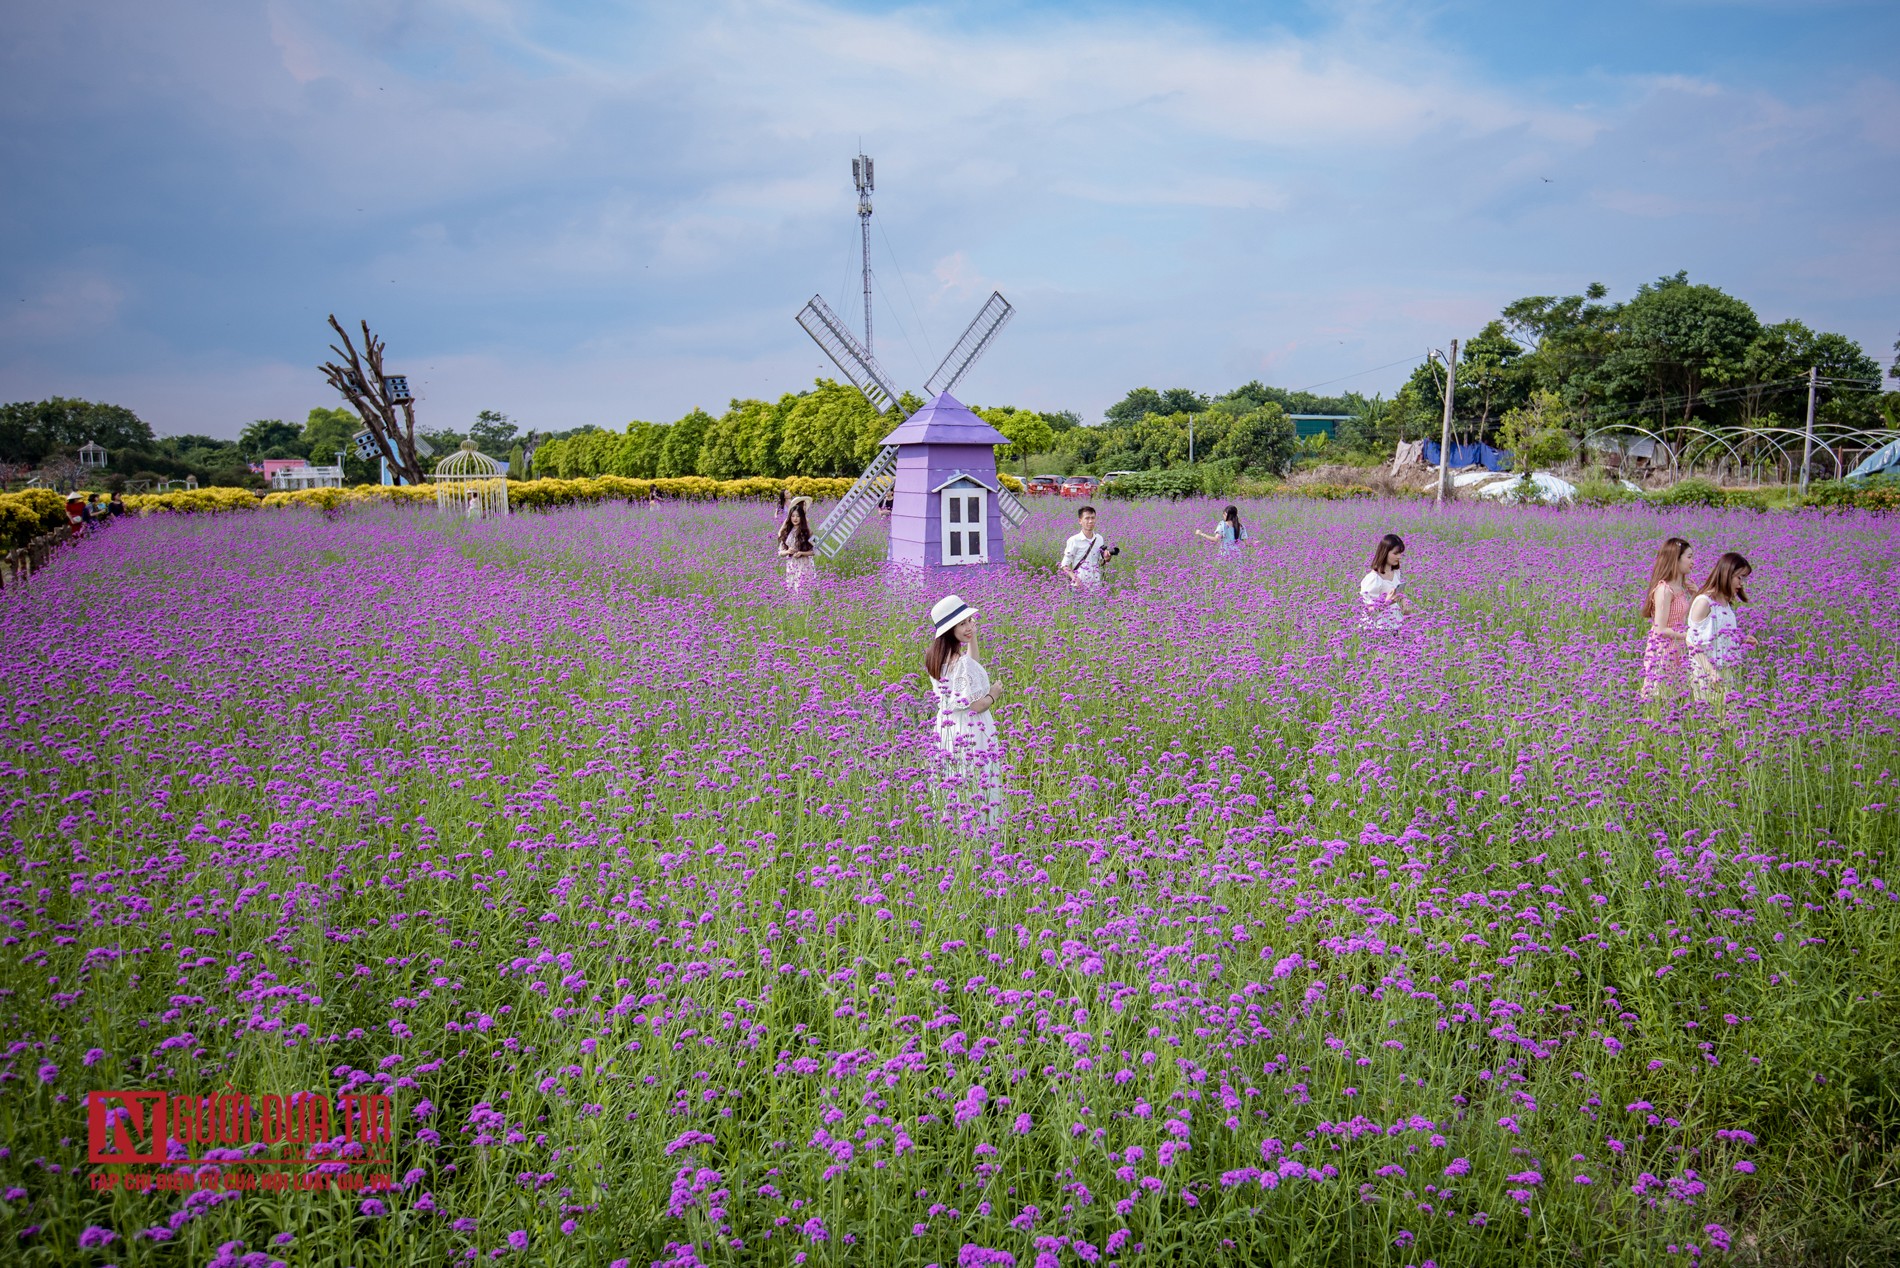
592	212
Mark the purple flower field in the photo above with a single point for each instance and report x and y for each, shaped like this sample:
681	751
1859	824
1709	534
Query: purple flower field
620	871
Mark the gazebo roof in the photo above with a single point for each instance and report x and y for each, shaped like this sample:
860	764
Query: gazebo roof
945	421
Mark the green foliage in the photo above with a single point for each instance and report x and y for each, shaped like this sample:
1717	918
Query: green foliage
493	433
1262	440
1691	492
1154	484
1144	401
272	437
1536	433
1595	489
32	430
328	431
1028	432
831	430
1873	493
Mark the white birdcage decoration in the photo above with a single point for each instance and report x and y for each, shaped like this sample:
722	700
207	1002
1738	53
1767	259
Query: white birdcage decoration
471	484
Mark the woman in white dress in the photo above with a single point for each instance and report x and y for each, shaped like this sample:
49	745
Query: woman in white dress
1384	604
969	755
1714	642
794	546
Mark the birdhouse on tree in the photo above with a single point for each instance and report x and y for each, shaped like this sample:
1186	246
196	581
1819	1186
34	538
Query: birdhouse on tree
946	511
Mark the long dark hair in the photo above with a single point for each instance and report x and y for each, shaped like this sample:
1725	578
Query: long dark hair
1723	583
1232	516
943	649
1387	544
798	527
1668	562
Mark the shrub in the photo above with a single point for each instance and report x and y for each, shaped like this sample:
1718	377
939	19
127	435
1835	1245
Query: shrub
1154	484
192	501
1745	500
27	514
1599	490
1332	492
1876	493
1694	491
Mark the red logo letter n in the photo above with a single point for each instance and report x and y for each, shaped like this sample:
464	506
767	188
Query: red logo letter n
117	1123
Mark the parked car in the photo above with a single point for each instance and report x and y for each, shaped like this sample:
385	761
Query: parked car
1113	476
1043	484
1078	487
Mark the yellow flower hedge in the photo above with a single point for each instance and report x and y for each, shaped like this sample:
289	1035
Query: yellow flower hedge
522	494
27	514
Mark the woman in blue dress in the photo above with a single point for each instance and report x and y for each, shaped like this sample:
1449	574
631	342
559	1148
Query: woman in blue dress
1228	532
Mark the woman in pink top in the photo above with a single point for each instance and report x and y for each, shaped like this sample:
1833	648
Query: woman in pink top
1666	604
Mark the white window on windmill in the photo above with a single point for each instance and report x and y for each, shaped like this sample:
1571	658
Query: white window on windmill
92	455
963	520
470	484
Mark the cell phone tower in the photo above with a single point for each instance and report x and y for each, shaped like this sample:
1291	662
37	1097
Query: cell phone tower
861	177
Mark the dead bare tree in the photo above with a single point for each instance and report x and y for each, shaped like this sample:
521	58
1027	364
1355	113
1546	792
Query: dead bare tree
362	384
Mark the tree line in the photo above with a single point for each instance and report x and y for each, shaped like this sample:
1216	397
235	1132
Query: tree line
1676	359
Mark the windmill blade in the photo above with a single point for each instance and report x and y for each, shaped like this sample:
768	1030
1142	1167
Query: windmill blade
853	360
965	351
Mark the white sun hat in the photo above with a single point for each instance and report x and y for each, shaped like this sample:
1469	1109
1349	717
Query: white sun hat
950	612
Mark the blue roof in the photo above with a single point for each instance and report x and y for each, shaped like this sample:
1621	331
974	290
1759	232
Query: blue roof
945	421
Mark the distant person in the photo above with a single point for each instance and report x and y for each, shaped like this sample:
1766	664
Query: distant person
970	757
1666	604
1384	605
1228	532
795	546
76	515
95	510
1713	640
116	507
1084	554
474	509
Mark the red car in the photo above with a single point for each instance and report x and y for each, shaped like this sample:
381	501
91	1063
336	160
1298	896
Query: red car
1043	484
1078	487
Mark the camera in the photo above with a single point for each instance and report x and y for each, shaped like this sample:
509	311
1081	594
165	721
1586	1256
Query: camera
1111	552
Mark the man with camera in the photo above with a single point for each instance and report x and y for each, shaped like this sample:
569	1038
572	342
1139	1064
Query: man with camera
1086	552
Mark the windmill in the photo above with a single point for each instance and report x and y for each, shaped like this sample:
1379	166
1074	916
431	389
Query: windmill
948	507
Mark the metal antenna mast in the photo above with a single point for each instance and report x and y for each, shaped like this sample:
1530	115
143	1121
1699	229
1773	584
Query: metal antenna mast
861	177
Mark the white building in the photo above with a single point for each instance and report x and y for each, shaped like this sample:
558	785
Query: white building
307	477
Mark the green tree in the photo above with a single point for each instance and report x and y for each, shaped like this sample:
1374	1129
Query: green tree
742	441
679	456
328	431
1489	380
1261	440
826	429
1144	401
1538	432
272	437
30	430
493	433
1028	432
1674	339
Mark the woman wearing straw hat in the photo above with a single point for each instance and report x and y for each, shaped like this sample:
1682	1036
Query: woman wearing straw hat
970	756
794	545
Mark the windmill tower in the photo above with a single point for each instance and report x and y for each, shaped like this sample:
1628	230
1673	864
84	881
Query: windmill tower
948	508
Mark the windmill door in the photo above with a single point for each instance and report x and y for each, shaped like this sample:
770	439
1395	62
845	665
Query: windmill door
964	523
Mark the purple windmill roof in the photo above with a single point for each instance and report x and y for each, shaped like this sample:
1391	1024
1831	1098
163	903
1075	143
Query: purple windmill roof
945	421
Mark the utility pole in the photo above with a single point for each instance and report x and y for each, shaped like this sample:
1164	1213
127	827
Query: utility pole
861	175
1807	441
1190	439
1444	438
